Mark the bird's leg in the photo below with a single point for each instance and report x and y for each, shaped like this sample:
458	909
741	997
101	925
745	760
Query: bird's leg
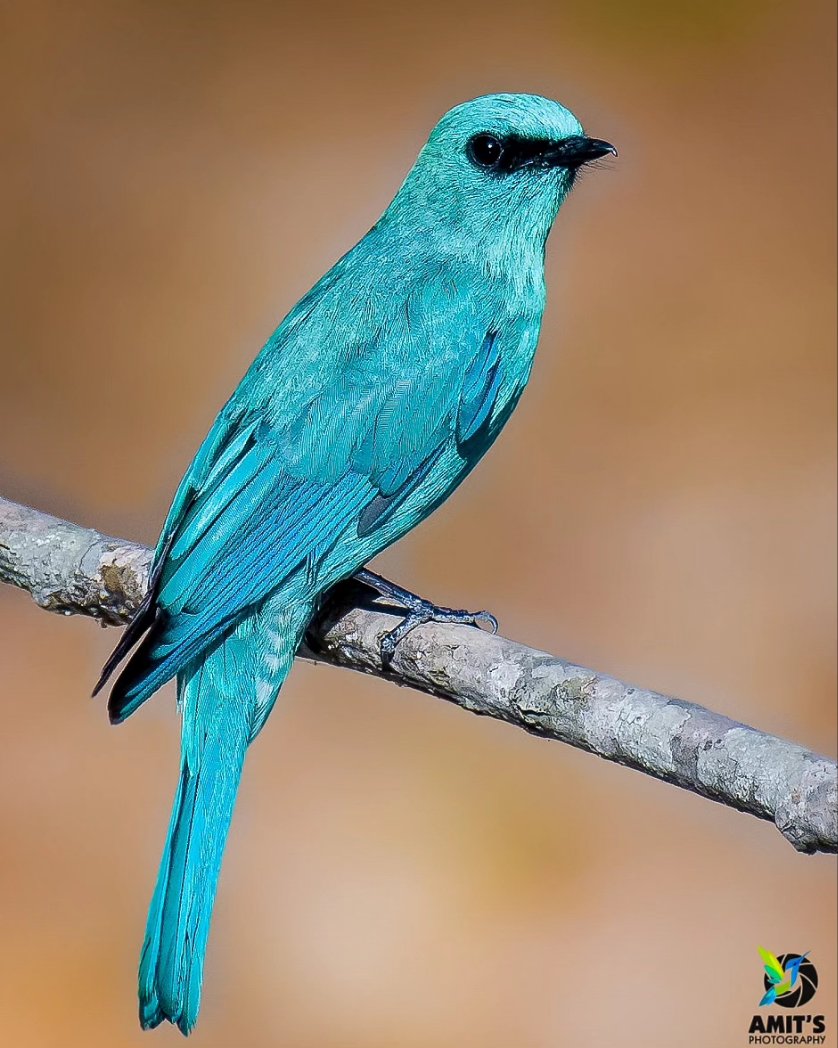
418	611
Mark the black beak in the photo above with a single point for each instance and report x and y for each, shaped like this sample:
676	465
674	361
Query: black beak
578	150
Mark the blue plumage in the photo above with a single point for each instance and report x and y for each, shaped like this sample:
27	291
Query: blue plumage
369	404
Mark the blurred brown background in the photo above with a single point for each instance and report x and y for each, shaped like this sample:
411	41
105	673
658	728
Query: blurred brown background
401	874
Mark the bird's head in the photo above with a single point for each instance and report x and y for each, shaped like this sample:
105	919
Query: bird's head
497	169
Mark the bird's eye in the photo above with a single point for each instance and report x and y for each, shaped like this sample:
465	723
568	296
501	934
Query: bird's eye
484	150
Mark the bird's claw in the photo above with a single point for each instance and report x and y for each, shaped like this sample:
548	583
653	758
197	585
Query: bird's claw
417	611
423	612
489	619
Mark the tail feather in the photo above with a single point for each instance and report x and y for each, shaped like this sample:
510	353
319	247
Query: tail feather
224	698
172	962
151	1012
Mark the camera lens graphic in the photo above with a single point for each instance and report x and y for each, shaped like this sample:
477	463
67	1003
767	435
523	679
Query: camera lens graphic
804	989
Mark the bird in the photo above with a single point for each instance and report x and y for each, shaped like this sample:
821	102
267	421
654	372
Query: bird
369	404
780	980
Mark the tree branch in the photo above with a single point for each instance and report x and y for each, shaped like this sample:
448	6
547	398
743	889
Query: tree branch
75	570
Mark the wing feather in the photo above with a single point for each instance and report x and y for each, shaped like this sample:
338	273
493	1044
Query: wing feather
290	468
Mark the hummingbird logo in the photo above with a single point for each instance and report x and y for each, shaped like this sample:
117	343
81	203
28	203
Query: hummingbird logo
790	979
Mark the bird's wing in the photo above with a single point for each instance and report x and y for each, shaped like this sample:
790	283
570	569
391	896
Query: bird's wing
270	491
773	968
280	495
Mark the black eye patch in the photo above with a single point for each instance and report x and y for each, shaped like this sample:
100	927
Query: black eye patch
502	155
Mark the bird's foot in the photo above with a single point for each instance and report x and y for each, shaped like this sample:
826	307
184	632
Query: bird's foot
418	611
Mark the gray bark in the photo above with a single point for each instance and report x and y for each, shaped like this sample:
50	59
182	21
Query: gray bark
75	570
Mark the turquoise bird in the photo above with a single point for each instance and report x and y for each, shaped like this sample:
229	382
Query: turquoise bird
369	404
781	980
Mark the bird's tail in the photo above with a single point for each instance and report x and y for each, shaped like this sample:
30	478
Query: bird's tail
172	961
224	702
